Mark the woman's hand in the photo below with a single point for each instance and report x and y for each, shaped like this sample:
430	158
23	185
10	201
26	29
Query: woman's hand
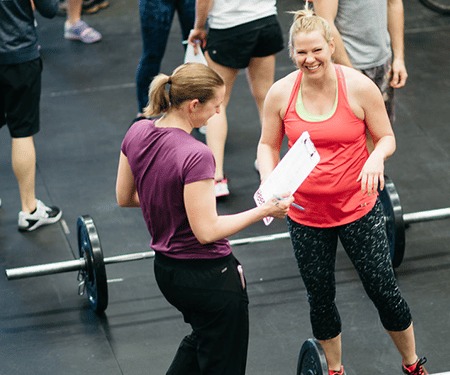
279	207
372	174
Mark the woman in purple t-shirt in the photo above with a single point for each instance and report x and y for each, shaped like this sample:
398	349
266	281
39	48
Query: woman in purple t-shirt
170	175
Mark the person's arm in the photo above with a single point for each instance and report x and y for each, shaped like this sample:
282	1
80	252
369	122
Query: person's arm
208	226
126	192
327	9
396	31
269	146
369	106
199	33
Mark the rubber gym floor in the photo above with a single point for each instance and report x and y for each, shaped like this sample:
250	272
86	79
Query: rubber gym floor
88	102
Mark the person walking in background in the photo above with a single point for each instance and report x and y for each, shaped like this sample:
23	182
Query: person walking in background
77	29
156	18
242	34
173	183
20	92
336	105
369	36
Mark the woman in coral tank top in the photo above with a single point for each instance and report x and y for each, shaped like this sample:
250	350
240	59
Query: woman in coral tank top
336	105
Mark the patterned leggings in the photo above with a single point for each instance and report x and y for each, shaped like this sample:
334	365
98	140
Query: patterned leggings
365	242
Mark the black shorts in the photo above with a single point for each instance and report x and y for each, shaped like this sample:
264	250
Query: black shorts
234	47
20	94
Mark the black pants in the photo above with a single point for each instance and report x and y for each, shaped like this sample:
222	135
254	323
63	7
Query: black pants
365	243
212	297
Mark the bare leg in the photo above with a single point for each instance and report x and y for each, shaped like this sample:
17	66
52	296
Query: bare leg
333	350
217	127
23	158
406	344
260	76
73	11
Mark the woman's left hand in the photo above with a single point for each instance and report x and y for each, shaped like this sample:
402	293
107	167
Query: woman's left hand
372	175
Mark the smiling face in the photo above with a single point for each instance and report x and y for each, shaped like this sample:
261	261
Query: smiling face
311	52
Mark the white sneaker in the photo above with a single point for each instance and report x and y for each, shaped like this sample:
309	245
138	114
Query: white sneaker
43	215
221	187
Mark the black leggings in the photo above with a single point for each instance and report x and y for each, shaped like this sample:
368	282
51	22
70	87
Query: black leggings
366	244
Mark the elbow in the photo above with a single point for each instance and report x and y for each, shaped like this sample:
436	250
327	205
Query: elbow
124	201
204	237
204	240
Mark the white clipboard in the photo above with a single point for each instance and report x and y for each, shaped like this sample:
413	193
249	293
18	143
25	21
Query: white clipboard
290	172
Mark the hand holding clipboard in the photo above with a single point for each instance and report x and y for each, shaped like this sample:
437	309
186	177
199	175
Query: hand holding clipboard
290	172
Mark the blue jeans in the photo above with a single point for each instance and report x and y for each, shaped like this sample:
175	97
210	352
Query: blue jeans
156	20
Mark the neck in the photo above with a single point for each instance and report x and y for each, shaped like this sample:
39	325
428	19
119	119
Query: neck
175	119
323	82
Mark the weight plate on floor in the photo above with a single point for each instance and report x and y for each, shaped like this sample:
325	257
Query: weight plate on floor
395	227
94	274
312	360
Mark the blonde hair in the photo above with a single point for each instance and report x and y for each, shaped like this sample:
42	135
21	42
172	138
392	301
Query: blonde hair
187	82
306	20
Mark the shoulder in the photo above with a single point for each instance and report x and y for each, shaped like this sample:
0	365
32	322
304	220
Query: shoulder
282	88
358	84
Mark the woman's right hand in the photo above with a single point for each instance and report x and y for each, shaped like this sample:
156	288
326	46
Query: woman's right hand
197	36
279	208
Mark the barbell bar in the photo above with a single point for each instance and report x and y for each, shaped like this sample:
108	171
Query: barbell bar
91	264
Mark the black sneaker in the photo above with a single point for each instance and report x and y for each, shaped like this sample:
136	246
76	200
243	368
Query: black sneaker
417	368
43	215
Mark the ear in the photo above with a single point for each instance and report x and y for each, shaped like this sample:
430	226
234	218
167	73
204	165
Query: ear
193	105
332	46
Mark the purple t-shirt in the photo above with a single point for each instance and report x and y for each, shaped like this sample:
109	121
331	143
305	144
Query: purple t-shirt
162	161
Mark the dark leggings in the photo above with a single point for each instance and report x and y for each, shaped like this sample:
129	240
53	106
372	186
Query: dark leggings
365	242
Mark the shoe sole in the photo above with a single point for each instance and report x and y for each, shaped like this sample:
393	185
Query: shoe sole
68	37
53	220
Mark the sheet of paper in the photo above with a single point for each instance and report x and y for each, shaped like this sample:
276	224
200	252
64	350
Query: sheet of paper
191	57
290	172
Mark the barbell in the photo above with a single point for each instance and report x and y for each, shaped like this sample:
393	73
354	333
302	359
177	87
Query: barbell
91	264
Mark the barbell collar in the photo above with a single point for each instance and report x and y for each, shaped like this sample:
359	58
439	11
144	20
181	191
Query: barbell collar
46	269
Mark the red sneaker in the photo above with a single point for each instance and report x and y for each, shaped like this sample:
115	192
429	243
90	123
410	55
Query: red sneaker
417	368
342	372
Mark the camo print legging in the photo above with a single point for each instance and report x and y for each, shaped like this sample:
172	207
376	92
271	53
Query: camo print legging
365	242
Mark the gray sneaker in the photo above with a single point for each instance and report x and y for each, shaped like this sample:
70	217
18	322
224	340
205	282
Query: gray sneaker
82	32
43	215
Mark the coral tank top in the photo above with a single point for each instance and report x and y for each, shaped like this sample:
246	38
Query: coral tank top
330	194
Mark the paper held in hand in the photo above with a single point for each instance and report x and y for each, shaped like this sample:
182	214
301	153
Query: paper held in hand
290	172
191	57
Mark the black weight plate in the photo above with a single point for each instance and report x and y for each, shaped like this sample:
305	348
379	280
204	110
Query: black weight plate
312	360
95	272
395	226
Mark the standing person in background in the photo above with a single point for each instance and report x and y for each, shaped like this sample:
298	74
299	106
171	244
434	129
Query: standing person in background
169	174
336	105
20	93
156	20
369	36
75	28
243	34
